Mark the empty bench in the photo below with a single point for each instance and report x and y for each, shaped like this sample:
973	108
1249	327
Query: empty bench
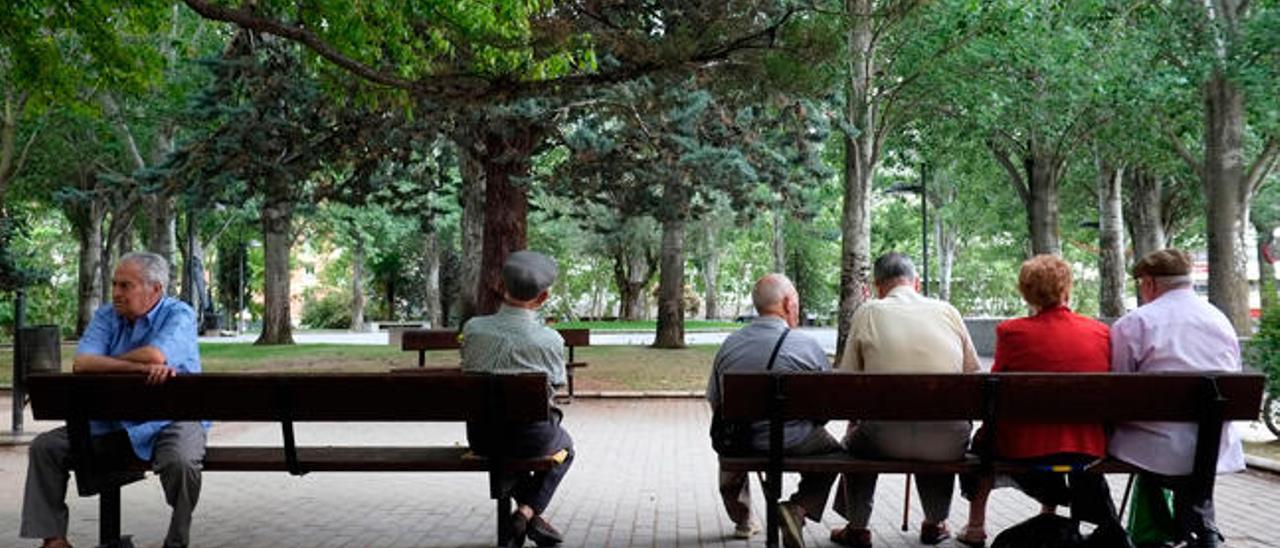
423	340
1206	399
289	398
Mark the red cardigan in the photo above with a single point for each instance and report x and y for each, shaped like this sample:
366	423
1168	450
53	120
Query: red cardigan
1055	340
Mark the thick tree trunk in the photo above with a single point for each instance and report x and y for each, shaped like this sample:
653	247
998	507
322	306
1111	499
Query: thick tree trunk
161	234
779	241
357	283
431	273
1226	200
861	154
1145	215
11	158
670	332
473	195
506	205
1042	212
88	226
1110	241
193	266
277	220
632	269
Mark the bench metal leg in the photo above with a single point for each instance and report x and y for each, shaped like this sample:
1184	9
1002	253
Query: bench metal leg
504	520
570	372
109	520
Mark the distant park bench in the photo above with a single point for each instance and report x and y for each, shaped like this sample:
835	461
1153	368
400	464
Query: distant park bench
423	340
287	398
1039	397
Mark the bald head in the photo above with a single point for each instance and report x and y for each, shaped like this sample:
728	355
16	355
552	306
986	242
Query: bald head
775	295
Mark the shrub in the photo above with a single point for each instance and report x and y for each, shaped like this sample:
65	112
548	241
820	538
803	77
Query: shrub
1263	352
332	310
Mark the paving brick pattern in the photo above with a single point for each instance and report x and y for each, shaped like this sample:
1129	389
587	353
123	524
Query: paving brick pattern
645	476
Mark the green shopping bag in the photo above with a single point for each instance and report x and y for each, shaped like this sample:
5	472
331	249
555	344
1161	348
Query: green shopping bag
1151	513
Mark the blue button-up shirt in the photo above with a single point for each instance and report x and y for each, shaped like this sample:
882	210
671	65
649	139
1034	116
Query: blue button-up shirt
170	326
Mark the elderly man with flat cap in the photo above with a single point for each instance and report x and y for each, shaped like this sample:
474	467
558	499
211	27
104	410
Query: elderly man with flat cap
516	340
1175	331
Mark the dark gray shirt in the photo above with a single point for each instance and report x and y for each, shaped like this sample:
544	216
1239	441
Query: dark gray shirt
748	349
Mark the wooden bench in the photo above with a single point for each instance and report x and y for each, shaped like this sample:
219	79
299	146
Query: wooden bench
423	340
289	398
1042	397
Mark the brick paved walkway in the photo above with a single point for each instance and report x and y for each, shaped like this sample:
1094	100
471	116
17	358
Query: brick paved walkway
645	476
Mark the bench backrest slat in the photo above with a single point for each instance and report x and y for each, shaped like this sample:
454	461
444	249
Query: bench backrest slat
447	339
1030	396
298	397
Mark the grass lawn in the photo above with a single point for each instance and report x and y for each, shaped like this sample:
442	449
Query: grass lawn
647	325
1266	450
611	367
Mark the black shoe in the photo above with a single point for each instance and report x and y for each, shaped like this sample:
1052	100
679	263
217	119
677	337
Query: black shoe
1109	536
519	528
543	533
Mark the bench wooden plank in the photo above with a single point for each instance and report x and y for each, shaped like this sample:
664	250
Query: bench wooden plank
845	462
296	397
1044	397
363	459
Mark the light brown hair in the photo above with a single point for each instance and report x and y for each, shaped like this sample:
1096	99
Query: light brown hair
1045	281
1165	262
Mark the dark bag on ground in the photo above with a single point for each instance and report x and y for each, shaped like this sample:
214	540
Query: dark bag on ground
1042	531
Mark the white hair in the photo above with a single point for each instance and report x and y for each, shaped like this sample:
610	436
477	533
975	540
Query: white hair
154	268
770	291
1172	282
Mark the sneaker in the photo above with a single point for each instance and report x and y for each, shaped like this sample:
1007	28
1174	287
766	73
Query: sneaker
934	533
792	524
746	529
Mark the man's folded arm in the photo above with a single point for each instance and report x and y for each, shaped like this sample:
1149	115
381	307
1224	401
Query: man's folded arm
138	360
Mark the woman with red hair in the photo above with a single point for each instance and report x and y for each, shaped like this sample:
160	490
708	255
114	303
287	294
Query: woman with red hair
1052	339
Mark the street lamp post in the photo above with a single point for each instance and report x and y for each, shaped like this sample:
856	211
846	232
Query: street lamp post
922	190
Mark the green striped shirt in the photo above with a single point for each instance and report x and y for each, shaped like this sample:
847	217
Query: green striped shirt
515	340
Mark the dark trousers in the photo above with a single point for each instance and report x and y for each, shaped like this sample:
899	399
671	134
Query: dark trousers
1192	508
537	439
1086	493
811	494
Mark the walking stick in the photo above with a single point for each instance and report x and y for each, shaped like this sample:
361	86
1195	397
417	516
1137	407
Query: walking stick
906	502
1125	501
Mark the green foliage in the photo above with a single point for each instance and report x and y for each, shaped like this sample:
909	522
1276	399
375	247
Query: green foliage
326	310
1263	350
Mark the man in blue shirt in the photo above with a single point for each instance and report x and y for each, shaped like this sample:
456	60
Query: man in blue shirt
142	332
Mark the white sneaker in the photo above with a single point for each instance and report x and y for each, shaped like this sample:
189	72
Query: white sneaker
746	530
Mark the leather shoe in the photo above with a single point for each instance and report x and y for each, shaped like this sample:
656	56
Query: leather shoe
851	537
543	534
934	533
519	529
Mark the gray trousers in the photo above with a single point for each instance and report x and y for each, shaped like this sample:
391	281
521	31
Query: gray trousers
178	457
811	494
925	441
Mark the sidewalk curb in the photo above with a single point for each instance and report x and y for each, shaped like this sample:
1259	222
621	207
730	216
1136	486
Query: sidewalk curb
638	394
1262	464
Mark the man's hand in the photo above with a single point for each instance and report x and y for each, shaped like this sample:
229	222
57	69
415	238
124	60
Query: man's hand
157	373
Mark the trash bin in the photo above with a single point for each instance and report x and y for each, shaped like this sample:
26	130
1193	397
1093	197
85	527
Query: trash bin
41	348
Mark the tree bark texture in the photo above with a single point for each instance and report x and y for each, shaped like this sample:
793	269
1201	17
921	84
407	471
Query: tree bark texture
1036	180
161	233
473	195
431	275
1227	200
1110	241
277	220
670	333
948	243
632	270
11	159
861	155
87	220
711	277
357	282
1145	212
510	147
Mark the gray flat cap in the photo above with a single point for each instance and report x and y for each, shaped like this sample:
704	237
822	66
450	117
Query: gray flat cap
527	274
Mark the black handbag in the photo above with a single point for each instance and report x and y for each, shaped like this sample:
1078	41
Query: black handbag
734	436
